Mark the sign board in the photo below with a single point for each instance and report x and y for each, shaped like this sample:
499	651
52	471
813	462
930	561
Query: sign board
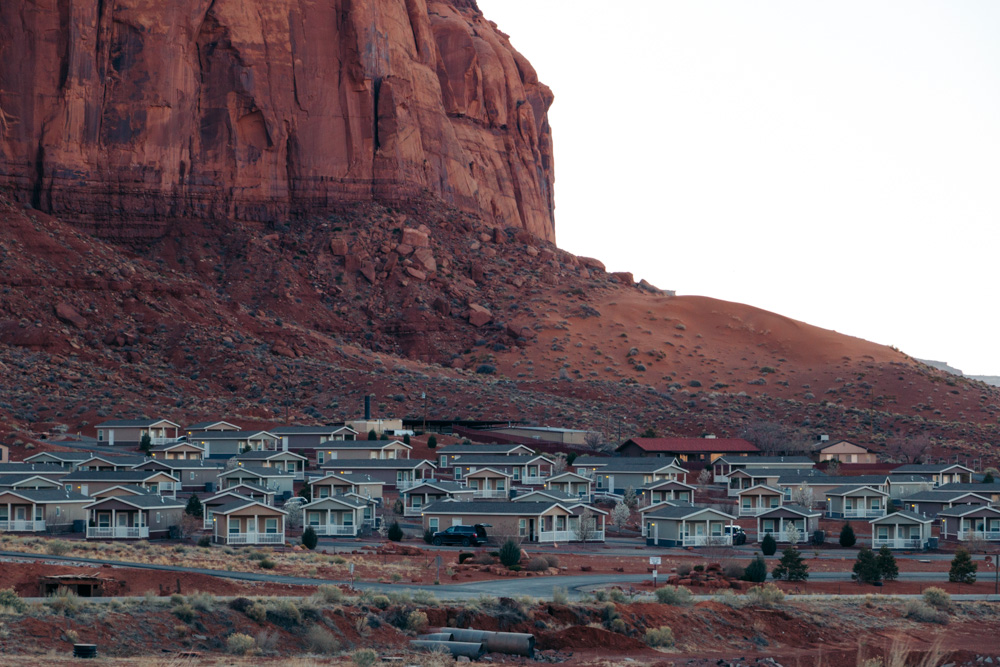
351	568
654	560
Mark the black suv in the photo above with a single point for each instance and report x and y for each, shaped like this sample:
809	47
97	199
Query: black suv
464	535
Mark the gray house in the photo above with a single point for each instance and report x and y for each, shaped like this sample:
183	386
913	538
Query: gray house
40	510
933	503
686	526
279	481
306	440
901	530
226	444
778	520
855	502
617	475
967	522
939	474
129	432
194	474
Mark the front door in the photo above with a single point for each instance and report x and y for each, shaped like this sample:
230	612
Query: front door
122	520
531	530
20	514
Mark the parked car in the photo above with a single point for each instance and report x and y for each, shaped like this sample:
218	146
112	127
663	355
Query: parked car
464	535
739	536
295	501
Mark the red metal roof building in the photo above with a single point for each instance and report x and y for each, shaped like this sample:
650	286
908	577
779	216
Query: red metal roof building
687	449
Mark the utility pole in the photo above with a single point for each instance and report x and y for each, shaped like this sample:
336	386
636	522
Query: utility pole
423	395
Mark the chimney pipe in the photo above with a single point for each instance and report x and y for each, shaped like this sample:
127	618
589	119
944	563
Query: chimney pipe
368	408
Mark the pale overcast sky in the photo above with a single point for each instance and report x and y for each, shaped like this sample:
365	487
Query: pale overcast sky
837	162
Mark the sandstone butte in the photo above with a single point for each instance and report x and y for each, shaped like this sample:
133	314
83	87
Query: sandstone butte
123	115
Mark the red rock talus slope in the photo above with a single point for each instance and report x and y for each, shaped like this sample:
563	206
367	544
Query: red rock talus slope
124	115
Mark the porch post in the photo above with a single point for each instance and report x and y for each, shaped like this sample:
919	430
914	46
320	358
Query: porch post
329	520
683	530
34	514
10	517
114	524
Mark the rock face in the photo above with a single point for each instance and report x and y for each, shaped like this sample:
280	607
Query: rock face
122	115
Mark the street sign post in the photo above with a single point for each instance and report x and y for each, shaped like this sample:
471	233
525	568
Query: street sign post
438	561
654	561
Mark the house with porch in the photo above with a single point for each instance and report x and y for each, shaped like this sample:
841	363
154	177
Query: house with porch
722	467
704	450
129	432
194	474
279	481
901	486
686	526
177	450
617	475
991	490
843	451
667	489
121	490
66	460
449	453
111	462
757	499
227	444
852	501
398	473
246	521
282	461
938	474
133	517
194	430
572	484
816	483
89	482
901	530
28	481
525	470
253	492
306	439
342	484
340	450
967	522
338	516
428	492
779	520
932	503
40	510
489	483
548	522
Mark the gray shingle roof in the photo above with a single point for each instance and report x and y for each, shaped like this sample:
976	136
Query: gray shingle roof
37	468
144	502
310	430
130	423
450	487
937	496
111	475
798	509
203	425
924	468
904	513
10	480
187	464
486	460
351	477
49	495
486	507
265	455
62	456
389	464
260	471
848	488
760	460
477	449
682	512
250	485
810	479
237	504
234	435
557	496
962	510
974	487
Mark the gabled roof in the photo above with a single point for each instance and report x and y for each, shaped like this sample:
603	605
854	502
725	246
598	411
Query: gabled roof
962	510
114	475
184	464
230	493
852	489
311	430
795	509
13	480
207	426
558	478
267	455
150	502
447	487
124	460
628	464
14	467
260	471
235	435
679	512
592	461
927	468
372	464
229	508
759	488
349	477
361	444
777	472
766	460
820	446
664	503
136	423
60	456
668	482
903	513
938	496
516	460
487	507
557	496
130	488
349	501
174	445
47	495
480	471
486	450
257	488
691	445
970	486
816	480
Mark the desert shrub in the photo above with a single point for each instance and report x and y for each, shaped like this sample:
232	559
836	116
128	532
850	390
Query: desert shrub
677	596
560	595
184	611
429	537
551	559
416	621
733	570
240	644
285	613
265	641
64	601
924	613
756	571
662	636
256	612
618	625
267	564
426	598
395	532
365	657
205	541
309	538
201	601
236	604
57	548
729	598
537	564
483	558
510	553
329	593
699	568
617	595
380	601
320	640
600	596
767	595
683	570
768	546
10	600
937	598
73	637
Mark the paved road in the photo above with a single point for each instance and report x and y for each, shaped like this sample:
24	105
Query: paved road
538	587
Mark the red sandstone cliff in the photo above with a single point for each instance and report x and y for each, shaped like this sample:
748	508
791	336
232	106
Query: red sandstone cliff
125	114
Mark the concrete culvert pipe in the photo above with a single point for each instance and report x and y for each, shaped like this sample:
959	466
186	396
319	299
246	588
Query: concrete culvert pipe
472	650
437	637
511	643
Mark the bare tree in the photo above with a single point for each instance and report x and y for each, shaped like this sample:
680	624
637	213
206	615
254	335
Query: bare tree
705	477
910	449
559	464
774	438
294	518
586	528
597	442
630	499
620	515
793	533
804	496
232	463
833	468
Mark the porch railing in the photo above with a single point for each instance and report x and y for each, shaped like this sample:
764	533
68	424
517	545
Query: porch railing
255	538
533	480
707	540
989	535
568	536
863	513
782	536
896	543
335	529
117	532
22	525
490	493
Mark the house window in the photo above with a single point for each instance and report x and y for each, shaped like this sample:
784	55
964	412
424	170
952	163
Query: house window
876	503
323	492
3	514
883	532
432	524
458	472
270	526
157	518
500	485
313	518
348	518
775	501
746	503
416	502
234	525
319	458
442	460
522	527
994	525
104	520
58	511
768	526
517	474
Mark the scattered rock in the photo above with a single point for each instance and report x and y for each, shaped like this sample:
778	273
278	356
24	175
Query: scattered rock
415	238
69	314
479	316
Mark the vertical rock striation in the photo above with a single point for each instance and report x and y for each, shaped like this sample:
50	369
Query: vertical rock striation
123	115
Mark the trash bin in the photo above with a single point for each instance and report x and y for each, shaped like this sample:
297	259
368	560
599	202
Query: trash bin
79	525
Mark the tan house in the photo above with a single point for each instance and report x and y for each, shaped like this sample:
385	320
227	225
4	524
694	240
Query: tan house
779	520
757	499
548	522
40	510
29	481
416	498
338	450
270	478
177	450
338	516
489	483
856	502
133	517
571	484
526	470
110	462
668	489
251	491
238	493
289	462
248	522
89	482
843	451
122	490
340	484
129	432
